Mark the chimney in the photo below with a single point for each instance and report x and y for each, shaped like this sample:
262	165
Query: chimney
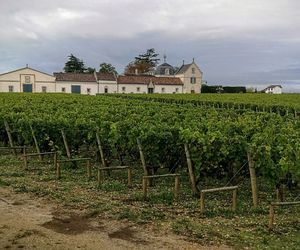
183	62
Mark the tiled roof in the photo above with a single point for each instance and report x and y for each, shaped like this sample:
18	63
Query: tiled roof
136	79
74	77
183	69
106	76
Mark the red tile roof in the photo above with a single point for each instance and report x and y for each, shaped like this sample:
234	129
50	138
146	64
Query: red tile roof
137	79
106	76
74	77
84	77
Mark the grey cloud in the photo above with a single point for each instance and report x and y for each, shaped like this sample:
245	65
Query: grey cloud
233	41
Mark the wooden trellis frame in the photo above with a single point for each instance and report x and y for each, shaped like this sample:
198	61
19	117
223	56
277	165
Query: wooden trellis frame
70	159
214	190
277	204
148	177
104	167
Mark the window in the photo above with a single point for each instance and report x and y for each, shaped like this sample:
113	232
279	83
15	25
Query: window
123	89
10	88
177	90
167	71
63	89
88	91
138	89
106	90
163	90
44	89
27	79
193	80
193	70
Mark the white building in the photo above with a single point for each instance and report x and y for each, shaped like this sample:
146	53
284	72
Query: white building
89	84
273	89
27	80
166	80
142	84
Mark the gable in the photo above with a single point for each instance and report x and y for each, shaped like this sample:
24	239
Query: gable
16	75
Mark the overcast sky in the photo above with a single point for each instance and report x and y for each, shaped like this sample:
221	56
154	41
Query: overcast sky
234	42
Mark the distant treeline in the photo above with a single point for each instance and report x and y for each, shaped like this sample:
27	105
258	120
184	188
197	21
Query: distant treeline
221	89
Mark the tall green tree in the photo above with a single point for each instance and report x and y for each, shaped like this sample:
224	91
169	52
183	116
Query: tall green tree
150	58
74	65
143	63
107	68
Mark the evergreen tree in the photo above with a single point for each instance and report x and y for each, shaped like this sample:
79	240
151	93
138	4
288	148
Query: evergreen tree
74	65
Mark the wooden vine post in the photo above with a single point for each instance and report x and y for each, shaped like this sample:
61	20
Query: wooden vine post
147	181
66	144
36	143
253	180
191	171
10	139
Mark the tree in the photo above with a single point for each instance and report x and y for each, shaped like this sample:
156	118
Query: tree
89	70
74	65
107	68
143	63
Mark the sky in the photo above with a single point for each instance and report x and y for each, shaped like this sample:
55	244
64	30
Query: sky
234	42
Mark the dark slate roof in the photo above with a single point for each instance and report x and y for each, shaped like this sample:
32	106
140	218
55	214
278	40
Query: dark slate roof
160	70
138	79
74	77
183	68
106	76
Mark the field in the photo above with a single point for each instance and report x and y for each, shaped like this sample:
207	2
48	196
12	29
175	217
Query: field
226	136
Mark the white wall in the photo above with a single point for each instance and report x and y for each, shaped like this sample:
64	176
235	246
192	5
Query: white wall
143	89
27	75
110	85
275	90
93	86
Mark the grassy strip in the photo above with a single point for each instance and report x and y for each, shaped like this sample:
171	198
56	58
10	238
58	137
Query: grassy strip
246	228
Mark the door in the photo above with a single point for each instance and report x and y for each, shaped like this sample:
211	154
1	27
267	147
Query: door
150	91
76	89
27	88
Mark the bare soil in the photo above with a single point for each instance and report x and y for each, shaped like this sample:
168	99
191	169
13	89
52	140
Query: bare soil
33	223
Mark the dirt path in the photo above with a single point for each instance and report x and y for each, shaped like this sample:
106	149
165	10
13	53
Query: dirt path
32	223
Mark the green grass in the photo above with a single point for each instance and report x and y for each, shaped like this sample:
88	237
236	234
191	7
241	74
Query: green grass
218	225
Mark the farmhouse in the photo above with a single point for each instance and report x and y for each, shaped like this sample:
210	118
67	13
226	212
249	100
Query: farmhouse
273	89
27	80
165	79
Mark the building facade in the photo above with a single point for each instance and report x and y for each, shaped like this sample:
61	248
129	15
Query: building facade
165	80
273	89
27	80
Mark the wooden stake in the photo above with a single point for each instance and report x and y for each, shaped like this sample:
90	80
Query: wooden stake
176	188
25	158
89	169
191	171
146	173
202	202
129	171
10	139
234	199
58	173
100	150
55	160
253	180
66	144
36	143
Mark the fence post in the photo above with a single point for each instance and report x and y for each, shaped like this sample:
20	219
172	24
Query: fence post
234	199
202	202
176	188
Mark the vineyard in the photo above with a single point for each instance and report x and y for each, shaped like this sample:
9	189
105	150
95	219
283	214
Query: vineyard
202	137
